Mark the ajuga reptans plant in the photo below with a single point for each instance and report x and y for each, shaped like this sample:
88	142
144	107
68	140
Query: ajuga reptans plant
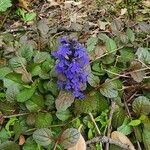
71	66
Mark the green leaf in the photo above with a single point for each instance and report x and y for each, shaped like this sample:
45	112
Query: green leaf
11	122
26	94
130	35
35	104
118	117
7	108
93	80
109	59
69	138
97	68
103	37
17	130
26	51
87	105
51	86
114	147
101	102
64	100
126	55
9	145
29	16
63	115
135	122
43	120
12	78
30	144
108	90
40	57
4	4
4	71
111	45
138	133
141	105
90	134
146	133
35	70
17	62
50	102
125	128
91	43
143	55
4	136
113	71
42	136
12	92
144	27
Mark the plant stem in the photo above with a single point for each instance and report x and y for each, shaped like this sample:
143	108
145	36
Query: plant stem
93	120
110	120
16	115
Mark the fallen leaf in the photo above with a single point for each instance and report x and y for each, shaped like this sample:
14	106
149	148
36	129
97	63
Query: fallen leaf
99	50
26	76
81	145
64	100
118	136
24	4
53	3
123	11
21	140
102	25
147	3
136	73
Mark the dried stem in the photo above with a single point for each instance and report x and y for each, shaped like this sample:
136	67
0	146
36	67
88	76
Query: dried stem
16	115
109	125
105	139
93	120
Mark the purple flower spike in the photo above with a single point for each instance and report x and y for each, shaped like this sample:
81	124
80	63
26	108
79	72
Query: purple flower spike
73	60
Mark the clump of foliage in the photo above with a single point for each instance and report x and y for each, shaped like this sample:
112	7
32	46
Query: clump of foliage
4	4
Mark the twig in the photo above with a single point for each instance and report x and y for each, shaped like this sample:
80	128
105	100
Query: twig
107	54
55	146
92	118
17	30
105	139
110	120
16	115
5	19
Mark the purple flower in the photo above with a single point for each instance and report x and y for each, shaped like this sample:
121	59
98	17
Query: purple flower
72	61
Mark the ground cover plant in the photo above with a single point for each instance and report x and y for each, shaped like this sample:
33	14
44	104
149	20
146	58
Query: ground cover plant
75	75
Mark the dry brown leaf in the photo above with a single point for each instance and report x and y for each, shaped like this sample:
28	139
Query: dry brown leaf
64	100
81	145
21	140
147	3
99	50
24	4
53	3
118	136
26	76
136	73
123	11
